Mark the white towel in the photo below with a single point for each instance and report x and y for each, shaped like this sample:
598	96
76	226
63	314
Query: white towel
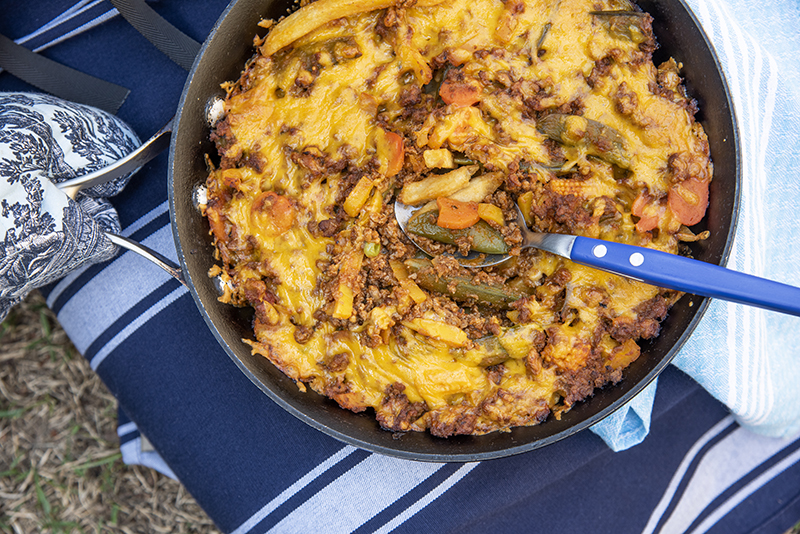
749	358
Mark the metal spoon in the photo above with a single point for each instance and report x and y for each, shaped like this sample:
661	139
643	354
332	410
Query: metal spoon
146	152
642	264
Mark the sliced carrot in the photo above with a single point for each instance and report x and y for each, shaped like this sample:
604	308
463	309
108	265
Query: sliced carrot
648	213
273	213
688	200
456	215
216	223
641	201
459	93
649	221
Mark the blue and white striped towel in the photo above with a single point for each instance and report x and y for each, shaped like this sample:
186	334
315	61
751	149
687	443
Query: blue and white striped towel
746	357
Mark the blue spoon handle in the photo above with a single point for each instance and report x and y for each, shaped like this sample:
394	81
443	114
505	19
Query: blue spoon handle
684	274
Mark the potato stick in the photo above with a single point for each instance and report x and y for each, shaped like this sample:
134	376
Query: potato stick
408	55
438	185
452	335
312	16
358	197
438	158
479	188
491	213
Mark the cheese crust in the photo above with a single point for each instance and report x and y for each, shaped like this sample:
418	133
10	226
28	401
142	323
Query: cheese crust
552	106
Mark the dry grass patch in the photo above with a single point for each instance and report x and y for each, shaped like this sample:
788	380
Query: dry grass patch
60	465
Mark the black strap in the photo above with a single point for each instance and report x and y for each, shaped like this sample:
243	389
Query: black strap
175	44
60	80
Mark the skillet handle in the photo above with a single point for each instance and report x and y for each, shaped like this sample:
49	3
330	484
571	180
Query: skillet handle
685	274
150	255
147	151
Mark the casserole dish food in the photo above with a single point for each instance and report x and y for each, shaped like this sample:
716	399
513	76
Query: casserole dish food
398	409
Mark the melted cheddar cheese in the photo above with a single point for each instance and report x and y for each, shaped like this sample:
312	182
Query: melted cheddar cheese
334	116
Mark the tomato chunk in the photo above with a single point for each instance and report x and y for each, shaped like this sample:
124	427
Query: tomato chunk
391	152
688	200
648	213
459	93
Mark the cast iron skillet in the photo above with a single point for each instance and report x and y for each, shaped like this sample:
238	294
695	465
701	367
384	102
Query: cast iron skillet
222	58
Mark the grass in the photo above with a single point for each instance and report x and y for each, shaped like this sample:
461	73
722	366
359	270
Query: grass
60	466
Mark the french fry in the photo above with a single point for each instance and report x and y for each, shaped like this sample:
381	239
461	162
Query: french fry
409	56
440	158
358	197
452	335
507	23
343	306
479	188
310	17
525	203
438	185
491	213
398	269
409	285
414	291
348	273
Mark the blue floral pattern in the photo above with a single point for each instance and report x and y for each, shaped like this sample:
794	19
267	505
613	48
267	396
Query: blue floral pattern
43	141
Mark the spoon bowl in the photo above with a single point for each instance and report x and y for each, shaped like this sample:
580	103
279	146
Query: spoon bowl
555	243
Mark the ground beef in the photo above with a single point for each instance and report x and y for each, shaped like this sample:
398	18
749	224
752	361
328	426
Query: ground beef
565	214
511	409
679	167
338	362
579	384
625	101
601	69
303	333
495	373
314	160
452	421
396	411
644	324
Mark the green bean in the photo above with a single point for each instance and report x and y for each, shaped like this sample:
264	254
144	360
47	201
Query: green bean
595	137
461	288
624	24
486	352
484	238
462	159
542	37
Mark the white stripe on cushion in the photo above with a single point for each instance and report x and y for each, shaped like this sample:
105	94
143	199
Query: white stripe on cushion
358	495
115	290
431	496
287	494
